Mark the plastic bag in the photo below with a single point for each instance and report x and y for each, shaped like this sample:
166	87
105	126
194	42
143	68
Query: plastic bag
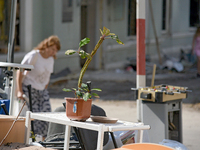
173	144
7	103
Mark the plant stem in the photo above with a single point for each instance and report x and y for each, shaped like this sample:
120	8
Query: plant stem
89	60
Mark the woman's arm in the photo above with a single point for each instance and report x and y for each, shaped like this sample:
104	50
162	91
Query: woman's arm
19	84
46	86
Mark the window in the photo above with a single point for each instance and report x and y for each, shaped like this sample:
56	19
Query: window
67	10
166	14
132	18
194	13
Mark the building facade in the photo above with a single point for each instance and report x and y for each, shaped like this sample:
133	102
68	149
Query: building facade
170	26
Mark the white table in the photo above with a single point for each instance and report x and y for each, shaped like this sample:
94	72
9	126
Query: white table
61	118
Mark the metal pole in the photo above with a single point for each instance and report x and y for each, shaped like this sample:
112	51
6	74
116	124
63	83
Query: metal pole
141	64
12	29
10	47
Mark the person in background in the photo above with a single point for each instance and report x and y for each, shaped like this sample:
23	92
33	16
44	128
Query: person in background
42	58
196	49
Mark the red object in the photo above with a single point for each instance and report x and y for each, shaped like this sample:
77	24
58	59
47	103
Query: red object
141	62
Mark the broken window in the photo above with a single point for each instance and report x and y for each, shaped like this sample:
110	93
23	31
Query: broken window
132	18
194	13
166	14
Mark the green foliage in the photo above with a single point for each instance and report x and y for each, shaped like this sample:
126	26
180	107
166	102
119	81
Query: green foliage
84	42
70	52
83	92
81	53
115	37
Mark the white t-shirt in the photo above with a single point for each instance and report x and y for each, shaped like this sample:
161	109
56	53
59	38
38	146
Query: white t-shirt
40	75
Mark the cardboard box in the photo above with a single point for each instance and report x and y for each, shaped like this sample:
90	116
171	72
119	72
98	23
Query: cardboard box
17	133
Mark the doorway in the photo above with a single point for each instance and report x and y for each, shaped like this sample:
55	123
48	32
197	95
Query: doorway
5	13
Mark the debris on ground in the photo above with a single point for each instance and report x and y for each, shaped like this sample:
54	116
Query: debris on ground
22	146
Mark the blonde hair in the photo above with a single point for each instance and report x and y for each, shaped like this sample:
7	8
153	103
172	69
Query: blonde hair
50	41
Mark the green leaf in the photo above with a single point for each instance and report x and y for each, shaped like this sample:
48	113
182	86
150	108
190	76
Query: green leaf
95	95
86	96
101	31
70	52
96	89
74	89
119	42
115	37
84	42
106	31
83	85
78	93
112	34
80	89
83	54
67	90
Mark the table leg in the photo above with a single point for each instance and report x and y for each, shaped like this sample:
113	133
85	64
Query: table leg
67	137
100	137
113	139
27	127
140	136
12	93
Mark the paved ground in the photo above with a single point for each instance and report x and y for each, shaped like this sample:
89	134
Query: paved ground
117	98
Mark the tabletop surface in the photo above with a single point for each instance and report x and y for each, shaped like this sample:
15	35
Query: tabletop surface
60	117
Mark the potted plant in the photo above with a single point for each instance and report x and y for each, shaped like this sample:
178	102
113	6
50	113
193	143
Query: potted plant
79	108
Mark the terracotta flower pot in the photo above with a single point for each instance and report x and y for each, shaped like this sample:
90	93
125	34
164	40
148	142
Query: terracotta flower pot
78	109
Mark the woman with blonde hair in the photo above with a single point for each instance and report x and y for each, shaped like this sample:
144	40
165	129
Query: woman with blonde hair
42	58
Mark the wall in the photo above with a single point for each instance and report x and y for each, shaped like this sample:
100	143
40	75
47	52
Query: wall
180	35
47	19
115	55
40	19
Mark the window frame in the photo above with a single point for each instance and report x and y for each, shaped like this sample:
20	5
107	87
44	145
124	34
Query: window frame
167	11
129	16
197	12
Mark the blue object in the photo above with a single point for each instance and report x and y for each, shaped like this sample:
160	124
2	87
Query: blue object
75	107
7	103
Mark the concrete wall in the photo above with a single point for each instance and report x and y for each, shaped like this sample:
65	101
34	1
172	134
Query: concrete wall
179	36
42	18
